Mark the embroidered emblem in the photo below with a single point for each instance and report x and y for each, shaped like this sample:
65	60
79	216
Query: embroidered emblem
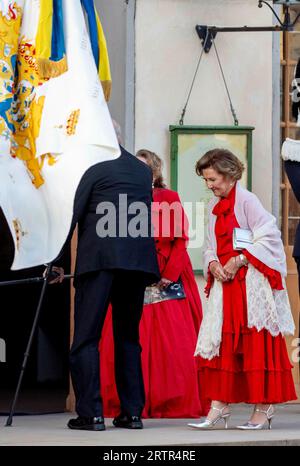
18	231
72	122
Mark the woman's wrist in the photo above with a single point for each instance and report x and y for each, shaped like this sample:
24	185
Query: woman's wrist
211	263
241	260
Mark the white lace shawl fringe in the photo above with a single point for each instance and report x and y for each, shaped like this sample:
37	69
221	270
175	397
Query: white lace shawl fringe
266	309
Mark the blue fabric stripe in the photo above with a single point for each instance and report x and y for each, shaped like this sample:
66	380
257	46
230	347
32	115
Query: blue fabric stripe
58	49
88	5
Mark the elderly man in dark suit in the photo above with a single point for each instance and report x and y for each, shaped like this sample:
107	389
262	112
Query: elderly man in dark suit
292	169
113	265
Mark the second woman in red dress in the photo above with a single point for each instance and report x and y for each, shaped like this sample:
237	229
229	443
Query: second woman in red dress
168	329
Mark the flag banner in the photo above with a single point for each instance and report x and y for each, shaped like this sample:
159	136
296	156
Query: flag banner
54	122
99	46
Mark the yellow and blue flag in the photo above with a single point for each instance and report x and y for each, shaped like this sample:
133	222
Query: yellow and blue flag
99	46
54	120
50	42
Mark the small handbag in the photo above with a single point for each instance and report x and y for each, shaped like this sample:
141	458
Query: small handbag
241	238
153	294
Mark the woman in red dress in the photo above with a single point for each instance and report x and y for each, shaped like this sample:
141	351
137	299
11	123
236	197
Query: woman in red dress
241	347
168	329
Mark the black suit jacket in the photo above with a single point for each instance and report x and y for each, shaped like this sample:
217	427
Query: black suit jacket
97	206
293	172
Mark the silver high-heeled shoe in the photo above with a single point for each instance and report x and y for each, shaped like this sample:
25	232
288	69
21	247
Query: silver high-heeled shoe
269	416
210	423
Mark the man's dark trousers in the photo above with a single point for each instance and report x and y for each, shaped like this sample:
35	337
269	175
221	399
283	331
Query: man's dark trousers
94	290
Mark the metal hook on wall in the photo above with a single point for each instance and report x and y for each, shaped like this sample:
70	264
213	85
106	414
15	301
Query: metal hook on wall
285	25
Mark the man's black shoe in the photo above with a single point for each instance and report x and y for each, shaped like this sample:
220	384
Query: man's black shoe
87	423
128	422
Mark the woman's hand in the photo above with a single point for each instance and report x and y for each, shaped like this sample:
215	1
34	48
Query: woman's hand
218	272
231	268
163	283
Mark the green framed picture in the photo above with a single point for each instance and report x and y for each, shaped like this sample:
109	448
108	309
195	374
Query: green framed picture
188	144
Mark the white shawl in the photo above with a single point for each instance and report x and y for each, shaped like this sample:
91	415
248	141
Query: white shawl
266	308
251	215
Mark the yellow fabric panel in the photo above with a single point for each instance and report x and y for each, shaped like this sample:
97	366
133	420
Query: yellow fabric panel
44	33
104	67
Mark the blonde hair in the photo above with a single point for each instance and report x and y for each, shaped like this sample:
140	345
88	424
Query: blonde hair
156	165
223	161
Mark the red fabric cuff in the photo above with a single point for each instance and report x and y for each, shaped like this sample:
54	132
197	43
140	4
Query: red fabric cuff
272	275
209	283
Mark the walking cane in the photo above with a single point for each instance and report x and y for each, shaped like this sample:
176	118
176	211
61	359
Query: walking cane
34	326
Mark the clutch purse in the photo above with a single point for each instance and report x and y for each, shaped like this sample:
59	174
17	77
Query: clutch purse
153	294
241	238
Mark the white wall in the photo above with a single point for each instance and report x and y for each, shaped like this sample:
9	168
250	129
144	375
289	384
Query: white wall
113	18
167	52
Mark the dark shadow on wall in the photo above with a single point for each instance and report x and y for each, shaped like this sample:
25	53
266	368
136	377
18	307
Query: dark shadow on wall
46	380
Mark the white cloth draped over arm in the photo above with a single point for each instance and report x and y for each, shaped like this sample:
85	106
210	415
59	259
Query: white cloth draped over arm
267	244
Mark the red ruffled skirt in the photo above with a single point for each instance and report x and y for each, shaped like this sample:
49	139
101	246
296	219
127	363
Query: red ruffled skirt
252	367
168	335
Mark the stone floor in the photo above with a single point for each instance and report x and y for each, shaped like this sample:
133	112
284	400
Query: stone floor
39	430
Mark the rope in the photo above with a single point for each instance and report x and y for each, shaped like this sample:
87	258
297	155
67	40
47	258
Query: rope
233	112
193	81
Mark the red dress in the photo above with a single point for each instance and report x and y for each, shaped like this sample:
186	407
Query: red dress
168	333
252	367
